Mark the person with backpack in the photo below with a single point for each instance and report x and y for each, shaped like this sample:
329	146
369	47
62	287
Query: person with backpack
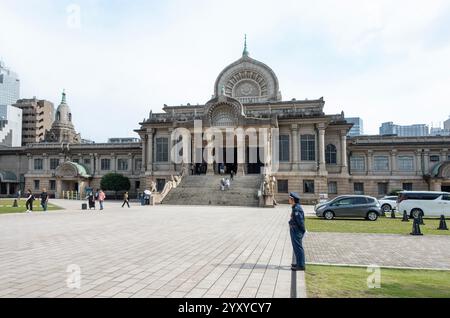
29	202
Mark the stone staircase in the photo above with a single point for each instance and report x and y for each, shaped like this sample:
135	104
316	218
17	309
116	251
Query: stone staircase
205	190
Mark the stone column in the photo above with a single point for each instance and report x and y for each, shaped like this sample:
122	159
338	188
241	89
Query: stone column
393	164
149	157
96	164
426	161
130	164
418	162
194	158
92	168
30	162
322	164
144	153
210	159
8	189
46	164
113	162
369	162
295	149
344	159
59	188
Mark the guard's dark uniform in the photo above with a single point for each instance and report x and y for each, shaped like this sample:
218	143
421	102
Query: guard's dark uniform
298	229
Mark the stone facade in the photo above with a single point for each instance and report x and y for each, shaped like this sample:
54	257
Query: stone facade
47	165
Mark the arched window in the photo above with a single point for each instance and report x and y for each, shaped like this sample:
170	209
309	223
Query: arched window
58	116
331	155
70	117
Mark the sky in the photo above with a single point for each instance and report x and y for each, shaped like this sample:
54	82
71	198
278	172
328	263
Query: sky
118	60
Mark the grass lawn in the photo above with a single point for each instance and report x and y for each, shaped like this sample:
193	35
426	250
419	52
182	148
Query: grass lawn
384	225
6	207
349	282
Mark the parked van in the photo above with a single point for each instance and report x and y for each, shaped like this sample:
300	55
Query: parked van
426	203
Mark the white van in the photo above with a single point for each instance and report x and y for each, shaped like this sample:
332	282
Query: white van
426	203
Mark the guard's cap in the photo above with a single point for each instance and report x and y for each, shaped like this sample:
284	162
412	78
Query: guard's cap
294	196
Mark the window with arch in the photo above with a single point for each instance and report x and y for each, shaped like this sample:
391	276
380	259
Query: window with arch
58	116
331	155
70	117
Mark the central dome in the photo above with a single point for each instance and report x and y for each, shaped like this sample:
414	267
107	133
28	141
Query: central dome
248	81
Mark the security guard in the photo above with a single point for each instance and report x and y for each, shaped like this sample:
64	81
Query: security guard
297	225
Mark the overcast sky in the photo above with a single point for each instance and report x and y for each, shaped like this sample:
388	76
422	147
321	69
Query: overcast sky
380	60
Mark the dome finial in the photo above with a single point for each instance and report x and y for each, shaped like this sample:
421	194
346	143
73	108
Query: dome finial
63	101
245	53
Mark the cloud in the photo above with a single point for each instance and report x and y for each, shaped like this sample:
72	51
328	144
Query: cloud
371	59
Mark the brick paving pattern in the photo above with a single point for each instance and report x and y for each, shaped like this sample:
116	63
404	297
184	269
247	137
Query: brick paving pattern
180	252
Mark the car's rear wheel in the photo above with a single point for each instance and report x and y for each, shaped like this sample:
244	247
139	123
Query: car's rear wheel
328	215
416	213
372	216
386	208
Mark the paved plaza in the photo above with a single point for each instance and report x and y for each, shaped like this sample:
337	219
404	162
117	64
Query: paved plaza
182	252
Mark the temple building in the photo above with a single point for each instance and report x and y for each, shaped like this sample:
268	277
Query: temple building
273	146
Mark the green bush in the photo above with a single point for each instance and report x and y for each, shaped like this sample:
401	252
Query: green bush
395	192
115	182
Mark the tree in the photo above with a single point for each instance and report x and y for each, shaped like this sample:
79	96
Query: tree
395	192
115	182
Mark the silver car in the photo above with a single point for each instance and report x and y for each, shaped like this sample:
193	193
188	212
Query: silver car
352	206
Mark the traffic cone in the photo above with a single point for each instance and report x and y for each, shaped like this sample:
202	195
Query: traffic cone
405	217
443	224
416	228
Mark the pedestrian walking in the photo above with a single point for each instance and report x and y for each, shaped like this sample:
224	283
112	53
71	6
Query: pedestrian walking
126	200
101	199
298	230
44	200
232	175
29	202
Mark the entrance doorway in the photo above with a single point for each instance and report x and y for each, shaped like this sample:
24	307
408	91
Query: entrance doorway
254	163
228	160
68	185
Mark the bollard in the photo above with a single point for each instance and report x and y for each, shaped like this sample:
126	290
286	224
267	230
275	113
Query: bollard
443	224
421	220
416	228
405	217
393	214
15	204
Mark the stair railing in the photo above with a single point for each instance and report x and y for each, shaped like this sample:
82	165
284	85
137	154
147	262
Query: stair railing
174	183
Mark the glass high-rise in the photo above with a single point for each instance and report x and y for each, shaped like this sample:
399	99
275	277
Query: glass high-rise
358	126
9	86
